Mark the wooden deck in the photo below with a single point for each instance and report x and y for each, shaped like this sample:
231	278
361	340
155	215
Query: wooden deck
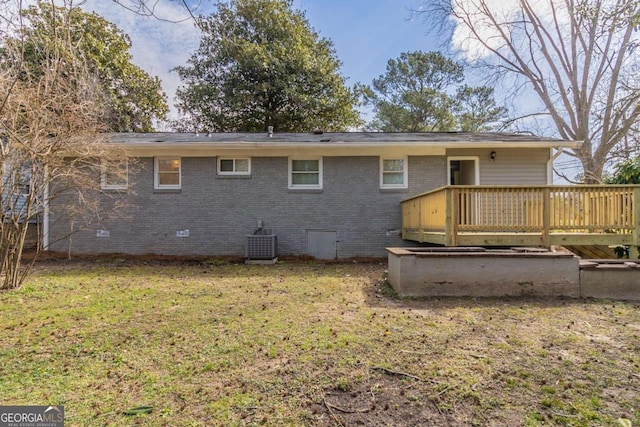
525	216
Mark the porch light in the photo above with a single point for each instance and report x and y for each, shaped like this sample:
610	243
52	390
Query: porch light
492	156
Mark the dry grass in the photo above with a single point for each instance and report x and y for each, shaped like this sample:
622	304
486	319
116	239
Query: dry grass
299	343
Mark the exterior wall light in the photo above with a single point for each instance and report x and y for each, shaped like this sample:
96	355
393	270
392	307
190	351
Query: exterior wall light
492	156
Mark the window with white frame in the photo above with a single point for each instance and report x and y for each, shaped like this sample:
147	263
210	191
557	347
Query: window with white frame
305	173
393	172
234	166
115	176
167	173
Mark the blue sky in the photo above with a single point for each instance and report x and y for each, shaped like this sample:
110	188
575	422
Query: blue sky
365	34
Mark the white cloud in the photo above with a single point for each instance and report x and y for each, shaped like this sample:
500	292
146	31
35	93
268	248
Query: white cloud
484	24
158	45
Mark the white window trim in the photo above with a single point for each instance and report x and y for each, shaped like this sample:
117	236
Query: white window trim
103	178
405	173
305	186
234	172
156	177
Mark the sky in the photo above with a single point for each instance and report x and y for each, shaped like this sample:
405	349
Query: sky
365	35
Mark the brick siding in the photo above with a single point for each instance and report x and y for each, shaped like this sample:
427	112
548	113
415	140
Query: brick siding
220	211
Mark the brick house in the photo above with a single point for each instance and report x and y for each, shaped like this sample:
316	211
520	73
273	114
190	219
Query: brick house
328	195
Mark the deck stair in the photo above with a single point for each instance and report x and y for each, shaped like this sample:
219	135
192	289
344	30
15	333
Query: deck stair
593	251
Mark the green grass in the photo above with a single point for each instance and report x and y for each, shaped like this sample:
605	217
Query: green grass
307	344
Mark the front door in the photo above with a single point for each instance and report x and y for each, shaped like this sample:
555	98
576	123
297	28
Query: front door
322	244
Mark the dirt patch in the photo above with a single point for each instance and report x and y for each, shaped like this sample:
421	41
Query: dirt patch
382	400
49	259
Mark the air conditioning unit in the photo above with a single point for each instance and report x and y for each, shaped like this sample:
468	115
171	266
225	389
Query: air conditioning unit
262	246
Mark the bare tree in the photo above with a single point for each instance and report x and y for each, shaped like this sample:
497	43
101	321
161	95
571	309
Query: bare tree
579	57
50	145
149	8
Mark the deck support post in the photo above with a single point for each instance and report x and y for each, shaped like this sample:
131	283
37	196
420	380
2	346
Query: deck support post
546	218
633	249
421	226
451	219
405	220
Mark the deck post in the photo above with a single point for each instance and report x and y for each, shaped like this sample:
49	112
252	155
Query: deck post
420	224
403	209
451	218
633	250
546	217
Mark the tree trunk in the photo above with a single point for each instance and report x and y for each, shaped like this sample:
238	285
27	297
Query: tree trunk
592	170
13	273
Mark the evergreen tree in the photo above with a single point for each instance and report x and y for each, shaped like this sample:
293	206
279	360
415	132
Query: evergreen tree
259	64
133	100
415	95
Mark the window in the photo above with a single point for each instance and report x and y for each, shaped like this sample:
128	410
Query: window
16	181
115	176
234	166
305	173
167	173
393	173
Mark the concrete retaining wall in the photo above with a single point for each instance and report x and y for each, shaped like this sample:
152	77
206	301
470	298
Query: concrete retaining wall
477	272
610	279
482	273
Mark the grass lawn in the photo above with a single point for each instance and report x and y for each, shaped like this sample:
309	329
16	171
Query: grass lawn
211	343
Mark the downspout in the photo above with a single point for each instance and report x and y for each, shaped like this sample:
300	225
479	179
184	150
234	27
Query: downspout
552	158
45	219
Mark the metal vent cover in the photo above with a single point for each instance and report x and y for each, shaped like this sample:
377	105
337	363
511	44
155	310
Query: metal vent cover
262	245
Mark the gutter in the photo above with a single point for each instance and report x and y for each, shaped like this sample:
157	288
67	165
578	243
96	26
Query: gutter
247	145
46	216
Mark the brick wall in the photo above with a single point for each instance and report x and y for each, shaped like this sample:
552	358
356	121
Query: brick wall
220	211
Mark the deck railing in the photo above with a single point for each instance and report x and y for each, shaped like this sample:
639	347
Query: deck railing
443	215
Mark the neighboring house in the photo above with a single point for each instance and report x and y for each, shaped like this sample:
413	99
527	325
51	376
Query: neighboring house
331	195
14	192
